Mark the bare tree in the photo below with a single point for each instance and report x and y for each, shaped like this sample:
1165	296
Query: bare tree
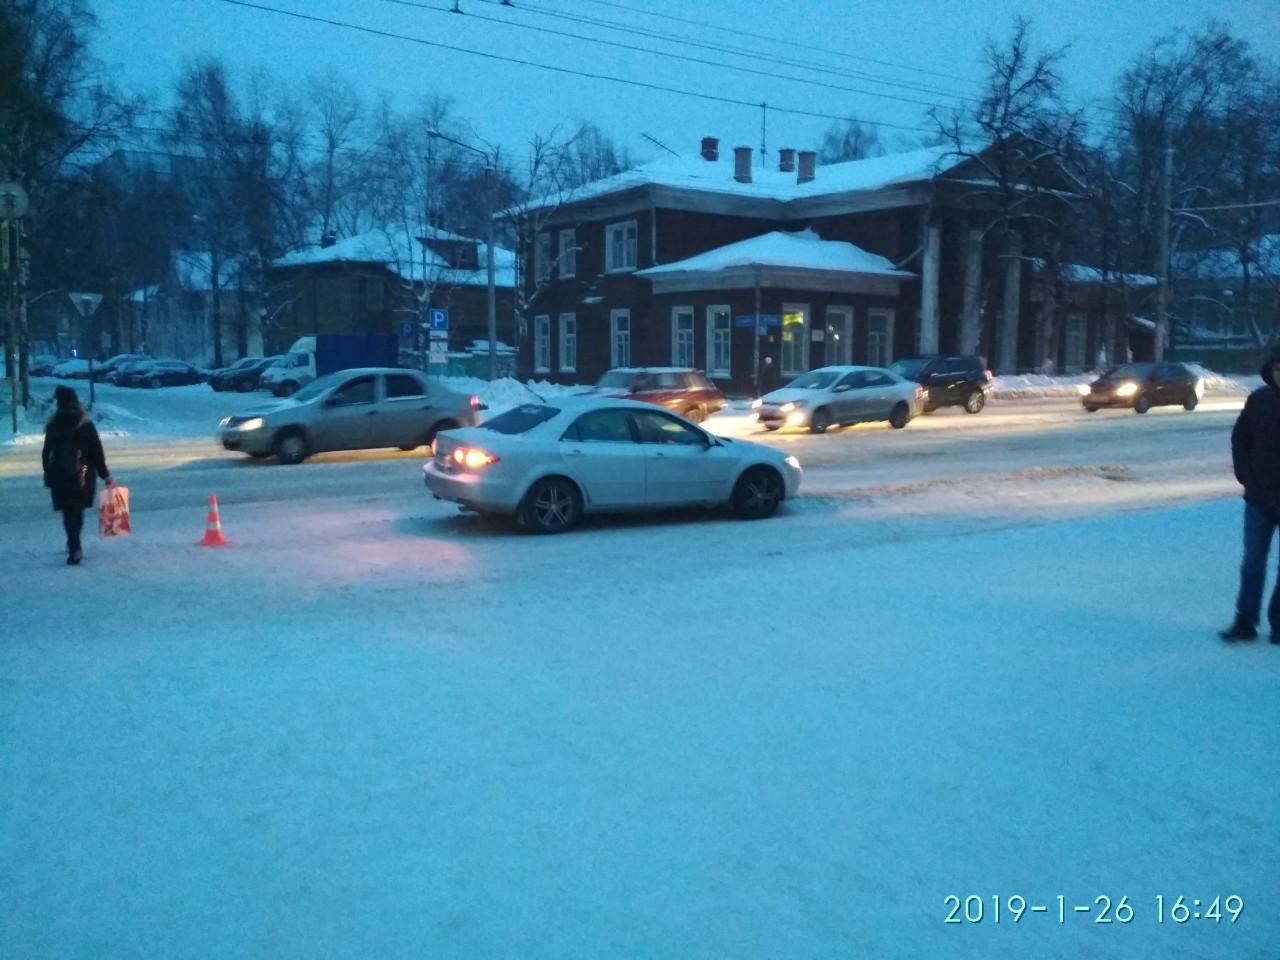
850	140
1020	137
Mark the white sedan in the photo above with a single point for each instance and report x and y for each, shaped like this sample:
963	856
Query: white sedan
837	396
549	463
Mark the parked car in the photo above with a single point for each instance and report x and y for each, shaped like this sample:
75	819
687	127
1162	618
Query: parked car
948	381
682	390
121	372
839	396
547	464
41	365
242	376
162	373
102	371
1143	386
351	410
72	369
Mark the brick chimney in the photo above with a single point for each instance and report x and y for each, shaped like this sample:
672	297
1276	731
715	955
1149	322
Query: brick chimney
742	164
786	160
710	148
808	161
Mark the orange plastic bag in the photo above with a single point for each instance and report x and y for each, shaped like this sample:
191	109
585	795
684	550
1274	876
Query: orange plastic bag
113	511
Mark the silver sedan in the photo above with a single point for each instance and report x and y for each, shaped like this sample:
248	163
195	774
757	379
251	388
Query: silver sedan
549	463
838	396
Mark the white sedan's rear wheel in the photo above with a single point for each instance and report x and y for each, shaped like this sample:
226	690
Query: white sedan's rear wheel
552	505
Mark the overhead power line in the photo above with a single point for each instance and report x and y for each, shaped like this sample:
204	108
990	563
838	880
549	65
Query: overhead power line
640	84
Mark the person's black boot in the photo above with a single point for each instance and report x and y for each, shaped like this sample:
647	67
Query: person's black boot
73	557
1241	630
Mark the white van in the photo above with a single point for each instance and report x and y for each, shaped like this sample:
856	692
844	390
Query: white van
296	370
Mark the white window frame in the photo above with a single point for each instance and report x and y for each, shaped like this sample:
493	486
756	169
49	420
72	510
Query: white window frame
568	342
887	315
616	356
715	370
541	257
1073	342
627	230
838	350
542	343
567	260
800	343
683	336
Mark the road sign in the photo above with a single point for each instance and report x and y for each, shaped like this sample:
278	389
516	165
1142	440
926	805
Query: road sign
438	318
86	303
758	320
438	351
13	200
406	329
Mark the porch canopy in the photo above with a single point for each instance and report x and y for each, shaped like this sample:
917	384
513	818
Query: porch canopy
795	261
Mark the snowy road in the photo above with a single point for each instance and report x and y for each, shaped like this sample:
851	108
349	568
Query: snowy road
373	727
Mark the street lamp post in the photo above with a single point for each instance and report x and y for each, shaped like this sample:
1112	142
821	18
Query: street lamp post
492	280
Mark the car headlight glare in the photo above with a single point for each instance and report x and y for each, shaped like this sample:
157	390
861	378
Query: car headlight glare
1083	389
254	424
757	403
1126	389
793	463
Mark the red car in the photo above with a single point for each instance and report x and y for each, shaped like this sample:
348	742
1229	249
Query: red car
681	390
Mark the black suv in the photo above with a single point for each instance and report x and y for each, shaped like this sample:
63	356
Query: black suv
947	381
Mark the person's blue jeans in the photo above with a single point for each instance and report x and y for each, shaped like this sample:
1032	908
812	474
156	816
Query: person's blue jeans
1259	529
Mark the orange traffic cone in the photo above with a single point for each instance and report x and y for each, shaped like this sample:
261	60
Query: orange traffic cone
213	527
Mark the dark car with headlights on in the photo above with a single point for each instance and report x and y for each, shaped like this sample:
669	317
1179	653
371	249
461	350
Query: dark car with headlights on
1141	386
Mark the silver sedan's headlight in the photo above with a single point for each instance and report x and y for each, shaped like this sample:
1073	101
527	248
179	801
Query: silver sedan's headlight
254	424
791	405
793	463
757	403
224	423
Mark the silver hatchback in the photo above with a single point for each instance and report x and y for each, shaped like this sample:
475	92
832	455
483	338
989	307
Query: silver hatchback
358	409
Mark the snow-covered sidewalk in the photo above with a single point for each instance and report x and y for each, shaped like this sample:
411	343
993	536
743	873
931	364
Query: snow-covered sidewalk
387	732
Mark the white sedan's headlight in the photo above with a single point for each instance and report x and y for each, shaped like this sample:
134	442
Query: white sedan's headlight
1199	388
757	403
254	424
791	405
224	423
793	463
1083	389
1127	389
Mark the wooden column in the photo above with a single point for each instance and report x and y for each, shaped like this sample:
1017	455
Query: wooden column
929	273
1007	339
969	325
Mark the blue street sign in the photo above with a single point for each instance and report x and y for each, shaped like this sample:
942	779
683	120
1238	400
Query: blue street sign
765	320
438	318
406	329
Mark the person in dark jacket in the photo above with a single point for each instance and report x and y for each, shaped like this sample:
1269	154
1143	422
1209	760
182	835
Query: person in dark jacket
1255	457
72	459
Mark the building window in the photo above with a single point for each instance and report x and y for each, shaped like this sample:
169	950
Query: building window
795	339
568	261
719	345
542	344
620	246
839	336
682	336
879	337
619	338
542	257
1073	354
568	342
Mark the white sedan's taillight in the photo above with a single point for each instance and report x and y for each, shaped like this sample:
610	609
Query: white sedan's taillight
473	458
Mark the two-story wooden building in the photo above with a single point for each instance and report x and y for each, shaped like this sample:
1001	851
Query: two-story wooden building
717	262
375	281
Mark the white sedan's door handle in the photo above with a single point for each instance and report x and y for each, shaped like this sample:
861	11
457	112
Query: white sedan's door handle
574	452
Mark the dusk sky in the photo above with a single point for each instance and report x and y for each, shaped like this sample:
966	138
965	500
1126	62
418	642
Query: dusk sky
921	51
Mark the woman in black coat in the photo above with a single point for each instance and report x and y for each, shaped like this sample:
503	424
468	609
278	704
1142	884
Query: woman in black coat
72	459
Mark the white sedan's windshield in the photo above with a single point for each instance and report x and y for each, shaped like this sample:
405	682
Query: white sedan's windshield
814	380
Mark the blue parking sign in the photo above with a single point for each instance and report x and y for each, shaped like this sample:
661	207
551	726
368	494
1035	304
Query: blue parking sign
406	330
438	318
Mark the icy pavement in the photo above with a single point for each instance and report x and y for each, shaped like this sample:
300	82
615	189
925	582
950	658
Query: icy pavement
387	731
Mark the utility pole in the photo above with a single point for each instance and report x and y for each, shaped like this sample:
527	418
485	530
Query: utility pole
13	206
764	126
1162	291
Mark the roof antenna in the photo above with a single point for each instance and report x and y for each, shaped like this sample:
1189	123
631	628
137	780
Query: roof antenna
659	143
764	124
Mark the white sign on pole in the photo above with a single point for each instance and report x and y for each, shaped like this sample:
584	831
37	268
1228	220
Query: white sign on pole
86	303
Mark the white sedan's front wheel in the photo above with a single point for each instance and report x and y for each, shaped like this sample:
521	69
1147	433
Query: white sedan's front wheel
757	493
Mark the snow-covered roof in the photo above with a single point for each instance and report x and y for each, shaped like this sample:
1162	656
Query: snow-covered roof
804	250
767	182
1079	273
405	254
1223	263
